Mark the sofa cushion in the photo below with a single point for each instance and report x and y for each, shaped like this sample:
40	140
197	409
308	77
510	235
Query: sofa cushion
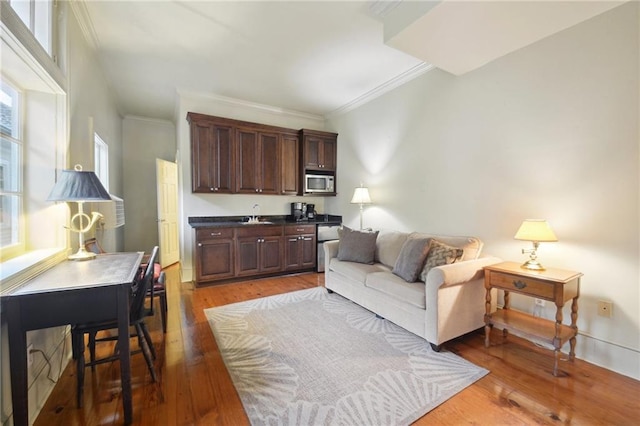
472	246
356	246
396	287
388	246
411	258
355	271
440	254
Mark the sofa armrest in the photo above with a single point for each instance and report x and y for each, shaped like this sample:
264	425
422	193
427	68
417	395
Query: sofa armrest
330	251
457	273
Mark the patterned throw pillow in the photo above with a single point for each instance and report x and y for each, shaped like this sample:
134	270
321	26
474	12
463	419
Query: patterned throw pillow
411	259
356	246
440	254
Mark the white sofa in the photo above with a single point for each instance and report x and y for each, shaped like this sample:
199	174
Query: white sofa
450	303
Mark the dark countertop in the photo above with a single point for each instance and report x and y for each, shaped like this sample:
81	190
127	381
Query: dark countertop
228	221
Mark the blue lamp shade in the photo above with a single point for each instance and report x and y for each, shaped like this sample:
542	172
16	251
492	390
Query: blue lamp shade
78	185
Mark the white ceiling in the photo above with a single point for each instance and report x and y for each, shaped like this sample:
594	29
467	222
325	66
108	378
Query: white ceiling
309	56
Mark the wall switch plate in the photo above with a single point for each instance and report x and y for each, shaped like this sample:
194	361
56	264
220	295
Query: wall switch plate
539	302
605	309
29	355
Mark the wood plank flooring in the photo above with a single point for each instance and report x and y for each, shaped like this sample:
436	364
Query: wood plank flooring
194	388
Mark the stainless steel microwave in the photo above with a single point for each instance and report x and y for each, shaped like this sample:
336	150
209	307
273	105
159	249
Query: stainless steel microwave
319	183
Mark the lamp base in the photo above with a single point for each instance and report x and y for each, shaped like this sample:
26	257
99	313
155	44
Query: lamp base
82	254
533	265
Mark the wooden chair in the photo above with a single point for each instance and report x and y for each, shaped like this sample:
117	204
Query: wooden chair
137	314
159	287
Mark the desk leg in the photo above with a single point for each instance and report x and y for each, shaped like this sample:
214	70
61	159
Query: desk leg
18	364
125	353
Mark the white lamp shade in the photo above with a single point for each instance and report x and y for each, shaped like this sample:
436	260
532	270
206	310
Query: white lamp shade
361	196
535	230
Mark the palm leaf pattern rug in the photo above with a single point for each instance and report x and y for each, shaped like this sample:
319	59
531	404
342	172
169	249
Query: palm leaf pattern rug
313	358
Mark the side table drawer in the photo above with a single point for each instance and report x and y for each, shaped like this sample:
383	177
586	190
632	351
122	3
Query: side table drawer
521	284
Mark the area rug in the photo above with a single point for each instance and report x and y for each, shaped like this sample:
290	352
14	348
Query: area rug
314	358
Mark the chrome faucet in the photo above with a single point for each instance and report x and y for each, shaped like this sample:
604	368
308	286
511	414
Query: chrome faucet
254	217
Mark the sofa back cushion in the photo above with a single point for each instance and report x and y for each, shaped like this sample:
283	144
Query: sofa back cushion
472	246
356	246
388	246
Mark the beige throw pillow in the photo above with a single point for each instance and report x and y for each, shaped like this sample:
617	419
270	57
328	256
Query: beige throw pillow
440	254
356	246
411	259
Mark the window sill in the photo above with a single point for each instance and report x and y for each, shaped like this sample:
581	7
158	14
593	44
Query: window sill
15	272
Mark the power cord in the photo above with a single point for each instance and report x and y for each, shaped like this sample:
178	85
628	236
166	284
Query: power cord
46	358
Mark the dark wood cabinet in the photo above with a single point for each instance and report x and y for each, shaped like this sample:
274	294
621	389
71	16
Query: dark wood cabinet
259	250
214	254
258	162
290	164
300	247
319	150
212	165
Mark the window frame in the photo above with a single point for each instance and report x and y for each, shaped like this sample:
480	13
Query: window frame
101	160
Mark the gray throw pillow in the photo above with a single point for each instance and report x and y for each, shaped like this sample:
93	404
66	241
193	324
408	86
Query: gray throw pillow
356	246
411	258
440	254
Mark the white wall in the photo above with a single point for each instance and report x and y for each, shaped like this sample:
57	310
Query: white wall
549	131
144	141
230	204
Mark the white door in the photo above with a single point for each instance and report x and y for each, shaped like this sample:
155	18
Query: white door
167	181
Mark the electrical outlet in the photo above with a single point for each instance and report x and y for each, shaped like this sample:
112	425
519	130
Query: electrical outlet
29	355
539	302
605	309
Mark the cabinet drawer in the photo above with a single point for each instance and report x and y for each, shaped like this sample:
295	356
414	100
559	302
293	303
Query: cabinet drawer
259	231
213	233
523	285
299	229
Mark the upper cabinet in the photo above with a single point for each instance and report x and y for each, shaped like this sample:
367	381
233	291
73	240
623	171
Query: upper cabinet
319	150
238	157
212	156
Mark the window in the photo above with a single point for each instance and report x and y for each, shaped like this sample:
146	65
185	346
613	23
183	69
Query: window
37	16
101	160
10	170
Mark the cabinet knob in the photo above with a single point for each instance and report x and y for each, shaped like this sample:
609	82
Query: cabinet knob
519	284
212	189
199	244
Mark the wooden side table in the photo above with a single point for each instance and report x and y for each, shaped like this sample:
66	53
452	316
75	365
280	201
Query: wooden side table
555	285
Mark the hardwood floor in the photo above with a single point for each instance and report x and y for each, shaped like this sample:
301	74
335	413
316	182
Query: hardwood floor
194	388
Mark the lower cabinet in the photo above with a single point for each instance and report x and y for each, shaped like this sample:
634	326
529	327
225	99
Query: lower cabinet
225	254
214	254
300	247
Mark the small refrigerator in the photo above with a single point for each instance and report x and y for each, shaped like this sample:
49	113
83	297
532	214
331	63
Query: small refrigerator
328	232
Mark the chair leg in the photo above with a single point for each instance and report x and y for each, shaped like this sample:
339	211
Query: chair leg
145	351
163	311
147	337
92	349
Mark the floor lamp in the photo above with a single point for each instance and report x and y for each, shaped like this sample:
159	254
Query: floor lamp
79	186
361	196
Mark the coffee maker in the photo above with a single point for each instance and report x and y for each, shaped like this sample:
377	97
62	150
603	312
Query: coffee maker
299	211
311	211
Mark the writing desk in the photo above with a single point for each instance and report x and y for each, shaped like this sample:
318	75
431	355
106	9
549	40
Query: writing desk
71	292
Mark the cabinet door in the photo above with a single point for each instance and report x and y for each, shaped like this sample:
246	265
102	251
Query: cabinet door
290	165
247	249
214	254
312	147
248	152
308	249
291	252
212	168
271	254
269	163
328	154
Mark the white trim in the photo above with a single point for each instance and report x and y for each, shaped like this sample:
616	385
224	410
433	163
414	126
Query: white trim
15	272
388	86
250	105
79	9
149	119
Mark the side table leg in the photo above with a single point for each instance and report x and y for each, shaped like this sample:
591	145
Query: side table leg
487	314
574	320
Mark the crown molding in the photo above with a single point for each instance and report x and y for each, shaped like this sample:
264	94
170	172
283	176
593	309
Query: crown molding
148	119
250	105
79	9
395	82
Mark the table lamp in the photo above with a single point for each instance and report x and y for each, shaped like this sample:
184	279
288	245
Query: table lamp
536	231
79	186
361	196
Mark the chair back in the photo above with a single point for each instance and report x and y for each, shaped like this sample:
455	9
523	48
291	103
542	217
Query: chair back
140	289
